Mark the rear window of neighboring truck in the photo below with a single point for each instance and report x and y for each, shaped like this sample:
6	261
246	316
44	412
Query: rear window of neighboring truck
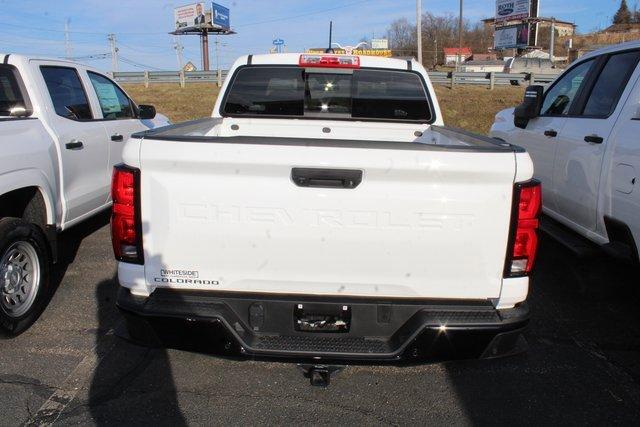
11	96
363	94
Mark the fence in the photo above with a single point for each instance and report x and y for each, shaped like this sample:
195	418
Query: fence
437	77
181	77
491	79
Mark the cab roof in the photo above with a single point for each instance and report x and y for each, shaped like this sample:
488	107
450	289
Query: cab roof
24	60
294	58
16	57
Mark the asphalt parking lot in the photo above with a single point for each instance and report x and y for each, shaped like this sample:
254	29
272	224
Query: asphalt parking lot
582	365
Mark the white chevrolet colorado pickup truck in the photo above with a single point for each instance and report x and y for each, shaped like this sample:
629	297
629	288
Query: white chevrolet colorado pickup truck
325	212
582	134
62	128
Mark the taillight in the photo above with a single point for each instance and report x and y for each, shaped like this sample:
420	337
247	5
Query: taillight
523	242
126	230
329	61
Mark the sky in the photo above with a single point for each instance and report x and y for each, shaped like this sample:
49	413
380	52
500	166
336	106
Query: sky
141	26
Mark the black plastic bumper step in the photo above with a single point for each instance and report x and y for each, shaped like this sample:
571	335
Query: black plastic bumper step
359	328
317	344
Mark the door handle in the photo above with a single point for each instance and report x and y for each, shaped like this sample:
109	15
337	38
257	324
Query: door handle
594	139
116	137
74	144
326	178
550	133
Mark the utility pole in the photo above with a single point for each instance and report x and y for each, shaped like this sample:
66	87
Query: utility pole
218	61
114	52
179	48
435	57
68	51
460	37
204	41
419	28
553	39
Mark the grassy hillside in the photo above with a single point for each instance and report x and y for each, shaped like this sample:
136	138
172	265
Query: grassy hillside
467	107
473	108
179	104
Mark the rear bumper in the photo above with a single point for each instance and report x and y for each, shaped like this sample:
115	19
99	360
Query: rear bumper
263	325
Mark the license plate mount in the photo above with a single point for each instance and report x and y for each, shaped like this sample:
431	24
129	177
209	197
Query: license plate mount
326	318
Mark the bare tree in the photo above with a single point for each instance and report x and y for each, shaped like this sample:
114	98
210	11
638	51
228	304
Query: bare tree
635	14
438	32
402	37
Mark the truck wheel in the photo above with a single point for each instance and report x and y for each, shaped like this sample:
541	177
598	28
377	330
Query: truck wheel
25	266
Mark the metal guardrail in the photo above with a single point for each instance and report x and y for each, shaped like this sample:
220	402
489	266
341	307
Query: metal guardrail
181	77
491	79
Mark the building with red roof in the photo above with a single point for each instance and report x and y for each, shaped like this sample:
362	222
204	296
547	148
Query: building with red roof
451	55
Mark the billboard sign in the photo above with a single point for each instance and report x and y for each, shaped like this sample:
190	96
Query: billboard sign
379	44
190	16
509	10
220	16
512	36
386	53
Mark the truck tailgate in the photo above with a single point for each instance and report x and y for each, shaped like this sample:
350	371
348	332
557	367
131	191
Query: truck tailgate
429	223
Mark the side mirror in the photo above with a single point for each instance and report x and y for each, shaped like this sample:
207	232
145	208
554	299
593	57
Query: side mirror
19	111
530	107
147	112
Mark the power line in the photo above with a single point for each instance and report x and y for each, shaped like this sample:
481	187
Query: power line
164	33
115	49
302	15
41	40
162	48
91	57
139	64
50	30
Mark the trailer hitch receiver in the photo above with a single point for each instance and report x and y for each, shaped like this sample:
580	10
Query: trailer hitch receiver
319	375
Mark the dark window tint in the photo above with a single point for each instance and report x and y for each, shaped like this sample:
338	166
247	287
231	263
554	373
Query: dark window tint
560	97
270	91
328	95
389	95
293	91
610	84
115	104
68	95
10	94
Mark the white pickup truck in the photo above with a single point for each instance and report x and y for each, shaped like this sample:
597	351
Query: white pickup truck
62	128
583	136
325	212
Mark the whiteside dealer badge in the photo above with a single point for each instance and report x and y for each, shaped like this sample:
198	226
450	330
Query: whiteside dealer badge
182	277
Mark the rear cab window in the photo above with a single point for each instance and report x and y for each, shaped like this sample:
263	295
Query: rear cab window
13	98
610	84
315	93
67	93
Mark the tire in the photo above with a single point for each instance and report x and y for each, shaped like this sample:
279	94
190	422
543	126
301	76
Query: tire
25	275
